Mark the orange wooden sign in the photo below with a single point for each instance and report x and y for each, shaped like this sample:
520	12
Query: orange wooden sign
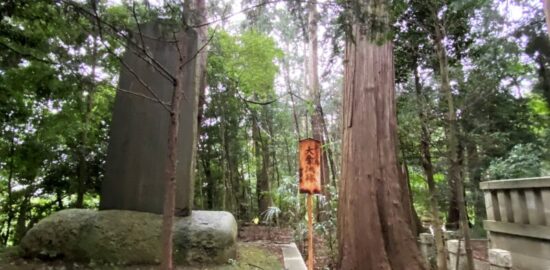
310	166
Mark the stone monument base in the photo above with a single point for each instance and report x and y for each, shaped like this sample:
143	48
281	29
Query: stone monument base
131	238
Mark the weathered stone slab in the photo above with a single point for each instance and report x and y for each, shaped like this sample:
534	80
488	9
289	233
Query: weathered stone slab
500	259
427	247
129	238
527	252
138	147
457	255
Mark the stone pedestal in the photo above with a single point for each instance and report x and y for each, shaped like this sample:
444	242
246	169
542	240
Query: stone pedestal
457	255
427	247
500	259
138	146
131	238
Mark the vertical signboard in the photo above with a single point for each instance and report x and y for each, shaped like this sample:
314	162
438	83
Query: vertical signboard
310	183
310	166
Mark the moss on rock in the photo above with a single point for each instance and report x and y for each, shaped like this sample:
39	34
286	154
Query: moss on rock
211	241
128	238
58	235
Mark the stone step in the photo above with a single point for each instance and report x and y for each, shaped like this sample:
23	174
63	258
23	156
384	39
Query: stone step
292	258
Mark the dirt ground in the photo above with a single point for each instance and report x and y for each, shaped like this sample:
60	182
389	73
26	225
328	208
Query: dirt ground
250	256
267	237
259	248
479	249
272	238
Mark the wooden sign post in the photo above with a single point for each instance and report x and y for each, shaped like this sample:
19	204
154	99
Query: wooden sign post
310	183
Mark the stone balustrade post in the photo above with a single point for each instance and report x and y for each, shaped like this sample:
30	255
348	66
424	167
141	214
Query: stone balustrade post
457	252
427	247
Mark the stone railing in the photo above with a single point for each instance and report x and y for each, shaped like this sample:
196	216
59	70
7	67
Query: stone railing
518	220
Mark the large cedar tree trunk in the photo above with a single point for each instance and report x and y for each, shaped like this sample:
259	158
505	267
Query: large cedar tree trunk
372	229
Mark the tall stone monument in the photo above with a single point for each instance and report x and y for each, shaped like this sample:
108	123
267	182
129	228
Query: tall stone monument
127	230
138	147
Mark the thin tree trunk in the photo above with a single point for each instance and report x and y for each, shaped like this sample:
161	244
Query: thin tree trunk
1	235
408	206
82	171
474	175
328	150
372	228
21	226
452	139
274	163
224	163
262	163
315	97
171	163
544	78
9	202
425	144
233	174
291	94
289	158
200	19
83	174
210	185
59	200
314	90
546	5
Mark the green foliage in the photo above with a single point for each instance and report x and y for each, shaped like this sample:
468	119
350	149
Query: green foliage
45	89
241	70
524	160
247	60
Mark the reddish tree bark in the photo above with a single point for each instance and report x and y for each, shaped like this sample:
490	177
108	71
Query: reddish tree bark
170	182
198	16
373	232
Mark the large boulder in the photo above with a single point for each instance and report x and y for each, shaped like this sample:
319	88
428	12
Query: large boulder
128	237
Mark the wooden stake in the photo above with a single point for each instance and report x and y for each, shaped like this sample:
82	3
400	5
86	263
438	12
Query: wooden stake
310	231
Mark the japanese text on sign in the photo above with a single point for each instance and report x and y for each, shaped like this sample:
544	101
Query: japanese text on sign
310	166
